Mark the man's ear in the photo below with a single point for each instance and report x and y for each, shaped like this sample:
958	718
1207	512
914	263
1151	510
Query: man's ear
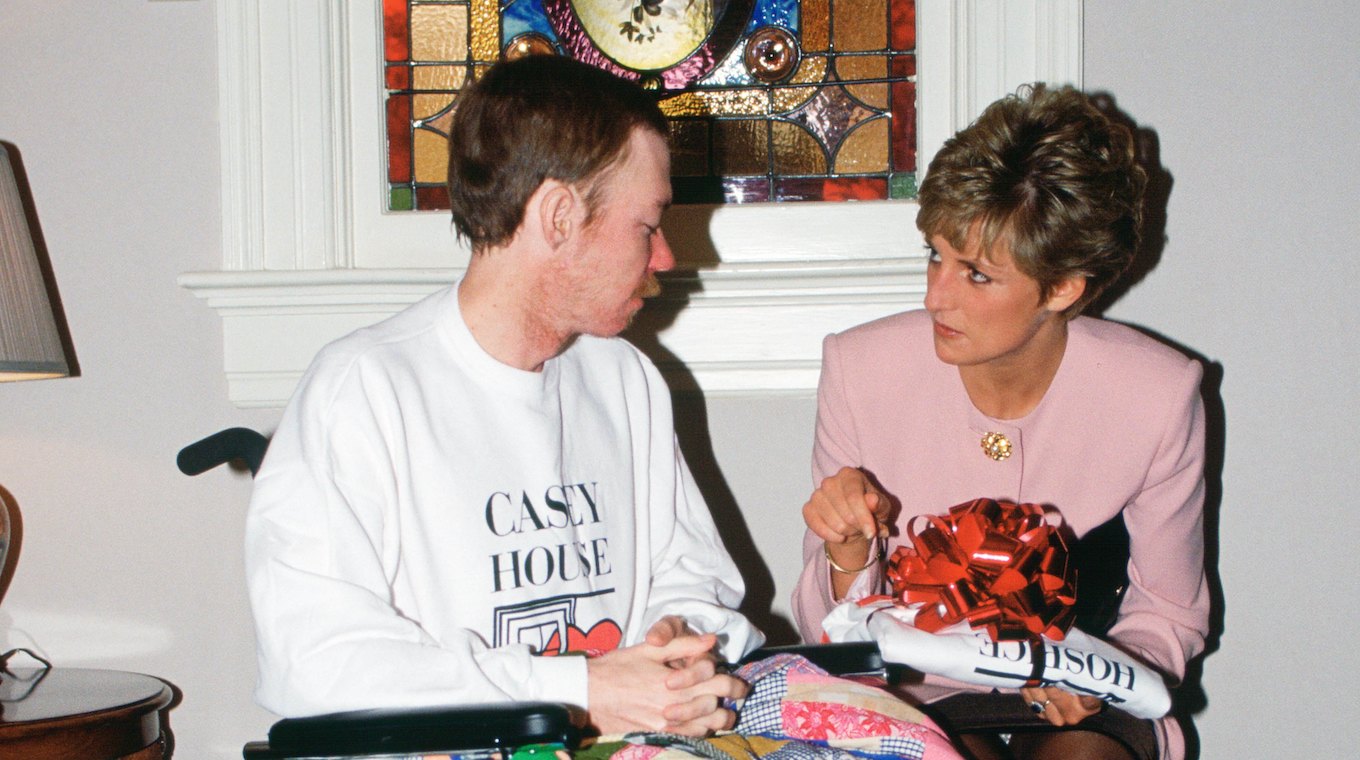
555	209
1065	292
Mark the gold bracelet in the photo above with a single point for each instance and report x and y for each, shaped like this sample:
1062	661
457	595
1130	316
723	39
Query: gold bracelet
873	560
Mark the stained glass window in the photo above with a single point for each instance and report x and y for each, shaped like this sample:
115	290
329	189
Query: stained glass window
768	100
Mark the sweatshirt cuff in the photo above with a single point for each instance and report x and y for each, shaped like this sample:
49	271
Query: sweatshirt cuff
559	679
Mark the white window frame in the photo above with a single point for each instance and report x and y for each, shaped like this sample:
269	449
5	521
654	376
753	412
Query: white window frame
309	252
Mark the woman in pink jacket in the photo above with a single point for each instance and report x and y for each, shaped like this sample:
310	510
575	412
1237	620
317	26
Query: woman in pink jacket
998	389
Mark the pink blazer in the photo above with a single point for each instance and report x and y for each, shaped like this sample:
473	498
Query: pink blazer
1120	428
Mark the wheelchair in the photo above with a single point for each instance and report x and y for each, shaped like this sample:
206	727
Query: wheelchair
529	730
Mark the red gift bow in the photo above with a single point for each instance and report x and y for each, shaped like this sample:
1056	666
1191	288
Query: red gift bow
995	564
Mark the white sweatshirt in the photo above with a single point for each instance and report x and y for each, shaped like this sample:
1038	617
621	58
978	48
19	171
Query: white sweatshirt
429	523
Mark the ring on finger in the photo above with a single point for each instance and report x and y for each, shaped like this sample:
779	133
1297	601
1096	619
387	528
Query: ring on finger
1038	707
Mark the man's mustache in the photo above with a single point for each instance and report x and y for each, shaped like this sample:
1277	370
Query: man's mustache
649	287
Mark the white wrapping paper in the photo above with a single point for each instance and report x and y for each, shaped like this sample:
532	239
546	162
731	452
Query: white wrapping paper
1079	663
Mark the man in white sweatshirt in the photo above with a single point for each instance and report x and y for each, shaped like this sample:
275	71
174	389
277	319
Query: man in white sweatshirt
462	493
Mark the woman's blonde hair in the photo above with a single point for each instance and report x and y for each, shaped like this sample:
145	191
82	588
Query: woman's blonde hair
1048	175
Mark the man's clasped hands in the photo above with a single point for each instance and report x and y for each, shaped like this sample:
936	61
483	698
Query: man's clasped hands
671	682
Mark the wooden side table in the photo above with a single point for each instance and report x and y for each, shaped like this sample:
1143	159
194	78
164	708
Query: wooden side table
70	713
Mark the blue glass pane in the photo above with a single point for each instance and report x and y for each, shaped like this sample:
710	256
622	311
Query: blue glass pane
521	16
775	12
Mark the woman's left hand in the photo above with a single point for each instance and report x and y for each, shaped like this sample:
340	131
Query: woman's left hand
1061	708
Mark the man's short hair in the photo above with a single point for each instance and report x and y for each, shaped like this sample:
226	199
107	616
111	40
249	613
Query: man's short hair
1046	173
532	119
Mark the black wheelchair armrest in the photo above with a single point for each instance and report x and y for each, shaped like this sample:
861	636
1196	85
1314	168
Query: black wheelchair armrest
390	731
840	659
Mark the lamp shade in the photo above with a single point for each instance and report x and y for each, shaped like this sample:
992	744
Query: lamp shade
30	344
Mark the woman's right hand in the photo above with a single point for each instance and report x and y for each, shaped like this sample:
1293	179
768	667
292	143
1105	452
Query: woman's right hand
848	512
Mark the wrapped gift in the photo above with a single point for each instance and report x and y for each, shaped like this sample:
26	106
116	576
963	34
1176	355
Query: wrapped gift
985	595
1080	664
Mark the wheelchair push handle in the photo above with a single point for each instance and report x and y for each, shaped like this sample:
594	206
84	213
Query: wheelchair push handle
232	444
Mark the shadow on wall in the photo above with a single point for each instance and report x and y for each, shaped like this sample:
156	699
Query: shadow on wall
1155	197
1190	697
691	427
687	231
692	430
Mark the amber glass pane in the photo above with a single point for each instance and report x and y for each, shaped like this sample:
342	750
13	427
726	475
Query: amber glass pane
742	147
439	77
865	150
816	21
811	71
439	33
485	30
870	68
685	104
689	147
860	25
796	151
733	102
428	106
439	123
432	157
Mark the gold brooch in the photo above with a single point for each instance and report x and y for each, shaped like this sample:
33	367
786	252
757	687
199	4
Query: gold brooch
996	446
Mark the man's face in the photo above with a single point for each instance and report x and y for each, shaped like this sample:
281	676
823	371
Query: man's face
612	267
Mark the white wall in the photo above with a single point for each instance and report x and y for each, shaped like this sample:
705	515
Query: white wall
128	564
125	562
1256	106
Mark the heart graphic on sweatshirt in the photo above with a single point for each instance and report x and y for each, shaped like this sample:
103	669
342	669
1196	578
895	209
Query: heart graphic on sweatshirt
604	637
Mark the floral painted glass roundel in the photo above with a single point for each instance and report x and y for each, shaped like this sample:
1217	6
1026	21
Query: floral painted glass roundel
647	35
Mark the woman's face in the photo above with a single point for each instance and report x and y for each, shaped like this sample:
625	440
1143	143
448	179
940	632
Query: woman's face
986	311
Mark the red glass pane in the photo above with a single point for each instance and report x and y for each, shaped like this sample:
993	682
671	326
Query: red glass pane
903	35
398	77
432	198
399	138
903	121
856	189
903	66
396	31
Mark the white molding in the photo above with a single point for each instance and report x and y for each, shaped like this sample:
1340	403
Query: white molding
971	52
733	329
309	254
